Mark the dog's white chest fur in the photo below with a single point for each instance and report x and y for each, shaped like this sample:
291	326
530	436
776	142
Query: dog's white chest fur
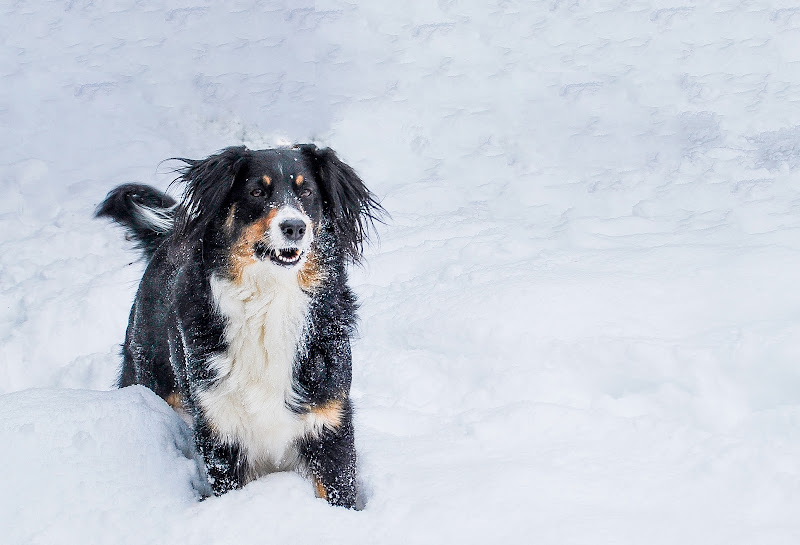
267	316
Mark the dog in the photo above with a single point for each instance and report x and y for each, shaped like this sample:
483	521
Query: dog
243	318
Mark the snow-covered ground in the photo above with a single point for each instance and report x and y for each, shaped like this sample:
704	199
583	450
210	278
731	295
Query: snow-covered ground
581	324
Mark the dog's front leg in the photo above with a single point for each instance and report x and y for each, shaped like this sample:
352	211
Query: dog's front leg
224	463
331	461
198	341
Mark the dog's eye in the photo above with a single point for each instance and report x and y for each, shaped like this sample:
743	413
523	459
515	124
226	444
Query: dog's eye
305	192
257	192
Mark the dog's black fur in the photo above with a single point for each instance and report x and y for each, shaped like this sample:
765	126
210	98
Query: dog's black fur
221	227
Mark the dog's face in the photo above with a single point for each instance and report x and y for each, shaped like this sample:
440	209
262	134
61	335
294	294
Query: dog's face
274	209
272	206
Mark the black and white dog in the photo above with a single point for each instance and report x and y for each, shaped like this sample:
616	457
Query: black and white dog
243	318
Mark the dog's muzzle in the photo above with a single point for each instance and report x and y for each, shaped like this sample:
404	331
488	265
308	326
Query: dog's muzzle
289	238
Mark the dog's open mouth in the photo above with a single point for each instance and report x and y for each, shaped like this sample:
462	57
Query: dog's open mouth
286	257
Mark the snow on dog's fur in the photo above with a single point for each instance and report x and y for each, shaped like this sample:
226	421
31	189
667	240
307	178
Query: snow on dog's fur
243	318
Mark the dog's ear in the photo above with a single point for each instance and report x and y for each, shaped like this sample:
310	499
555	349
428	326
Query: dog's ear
351	207
208	182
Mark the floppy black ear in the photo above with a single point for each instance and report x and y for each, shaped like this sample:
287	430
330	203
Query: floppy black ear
208	182
351	207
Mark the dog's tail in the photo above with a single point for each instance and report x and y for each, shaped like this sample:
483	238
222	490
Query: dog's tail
146	213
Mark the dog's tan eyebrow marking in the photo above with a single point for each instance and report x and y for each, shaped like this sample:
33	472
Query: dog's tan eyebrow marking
299	179
267	179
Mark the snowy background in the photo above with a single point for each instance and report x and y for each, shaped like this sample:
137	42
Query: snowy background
580	326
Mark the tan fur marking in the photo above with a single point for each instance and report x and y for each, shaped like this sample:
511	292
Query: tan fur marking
242	250
319	489
174	400
231	217
299	179
330	413
267	179
311	276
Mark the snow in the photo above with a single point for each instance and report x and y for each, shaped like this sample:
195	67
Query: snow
579	326
83	461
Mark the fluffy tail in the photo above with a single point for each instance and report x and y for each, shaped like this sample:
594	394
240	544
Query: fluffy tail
146	213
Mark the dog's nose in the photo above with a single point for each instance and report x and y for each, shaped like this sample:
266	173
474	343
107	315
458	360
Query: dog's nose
293	229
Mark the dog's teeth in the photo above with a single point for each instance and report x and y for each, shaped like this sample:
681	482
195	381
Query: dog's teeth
286	256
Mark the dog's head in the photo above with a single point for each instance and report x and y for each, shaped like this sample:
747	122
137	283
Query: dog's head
272	205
